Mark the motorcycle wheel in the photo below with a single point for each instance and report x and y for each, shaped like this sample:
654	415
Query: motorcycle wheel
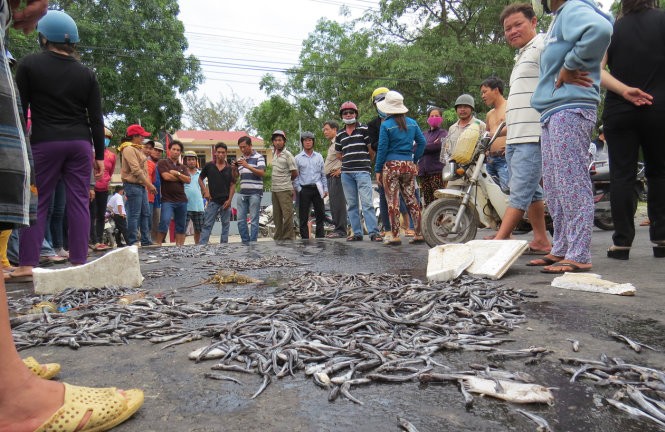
439	217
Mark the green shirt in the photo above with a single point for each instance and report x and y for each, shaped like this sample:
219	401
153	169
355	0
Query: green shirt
282	166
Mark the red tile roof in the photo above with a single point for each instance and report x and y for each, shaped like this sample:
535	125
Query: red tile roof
227	136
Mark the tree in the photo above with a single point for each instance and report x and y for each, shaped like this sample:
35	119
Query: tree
228	113
136	48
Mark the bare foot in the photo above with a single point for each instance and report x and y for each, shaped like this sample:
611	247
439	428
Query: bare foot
22	271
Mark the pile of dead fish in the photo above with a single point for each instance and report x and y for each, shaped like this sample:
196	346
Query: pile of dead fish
108	316
353	330
259	263
641	388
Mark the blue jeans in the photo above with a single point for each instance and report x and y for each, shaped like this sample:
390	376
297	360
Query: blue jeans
252	204
211	211
177	211
355	184
383	208
497	167
138	213
525	167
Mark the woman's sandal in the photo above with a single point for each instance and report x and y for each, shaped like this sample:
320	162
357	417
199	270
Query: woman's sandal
547	260
89	409
45	370
618	252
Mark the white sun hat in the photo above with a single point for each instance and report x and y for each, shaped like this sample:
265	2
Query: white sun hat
393	103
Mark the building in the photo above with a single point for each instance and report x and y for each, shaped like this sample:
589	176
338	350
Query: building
203	143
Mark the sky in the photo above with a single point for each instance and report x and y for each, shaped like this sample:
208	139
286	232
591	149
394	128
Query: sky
238	42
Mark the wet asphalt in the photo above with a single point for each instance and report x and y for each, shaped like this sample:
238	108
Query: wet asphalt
179	398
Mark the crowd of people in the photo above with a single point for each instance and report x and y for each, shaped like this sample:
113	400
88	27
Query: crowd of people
541	157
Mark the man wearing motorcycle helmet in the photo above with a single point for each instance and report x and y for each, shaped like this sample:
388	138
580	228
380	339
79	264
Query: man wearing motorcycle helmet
311	186
464	107
353	147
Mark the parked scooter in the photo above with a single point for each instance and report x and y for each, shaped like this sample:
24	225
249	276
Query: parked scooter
472	198
110	231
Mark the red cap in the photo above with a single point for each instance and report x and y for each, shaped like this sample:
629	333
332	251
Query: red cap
136	130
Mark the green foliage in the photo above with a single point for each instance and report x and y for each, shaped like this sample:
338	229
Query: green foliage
136	48
226	113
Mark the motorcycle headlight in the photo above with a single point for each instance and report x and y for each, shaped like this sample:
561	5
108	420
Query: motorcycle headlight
448	172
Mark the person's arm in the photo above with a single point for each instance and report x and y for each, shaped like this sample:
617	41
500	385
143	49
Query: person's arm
255	170
204	189
420	145
26	19
632	94
232	191
382	149
322	177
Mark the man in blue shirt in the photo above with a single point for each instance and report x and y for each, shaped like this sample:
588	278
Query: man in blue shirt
250	168
311	186
195	206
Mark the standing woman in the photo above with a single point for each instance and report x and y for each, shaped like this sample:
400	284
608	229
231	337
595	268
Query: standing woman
396	161
633	119
65	103
567	98
429	166
101	196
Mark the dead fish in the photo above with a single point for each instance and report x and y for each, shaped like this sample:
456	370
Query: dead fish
576	344
344	389
468	398
406	425
264	385
512	391
634	345
221	377
543	426
214	353
634	411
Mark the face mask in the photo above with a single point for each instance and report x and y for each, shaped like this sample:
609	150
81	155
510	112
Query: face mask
349	121
107	141
434	122
381	113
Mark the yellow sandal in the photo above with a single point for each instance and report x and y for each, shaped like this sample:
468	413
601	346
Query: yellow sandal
106	407
46	370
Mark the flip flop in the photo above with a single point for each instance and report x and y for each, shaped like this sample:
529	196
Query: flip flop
45	370
19	279
106	408
544	261
392	241
417	240
561	268
354	238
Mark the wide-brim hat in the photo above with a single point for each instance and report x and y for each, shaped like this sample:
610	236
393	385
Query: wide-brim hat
392	104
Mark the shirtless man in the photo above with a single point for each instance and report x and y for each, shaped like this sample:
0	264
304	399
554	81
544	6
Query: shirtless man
491	91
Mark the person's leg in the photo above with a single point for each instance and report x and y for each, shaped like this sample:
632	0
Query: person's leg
58	216
120	230
383	208
145	219
285	200
550	166
225	216
571	130
210	217
623	144
134	194
337	204
277	216
654	159
180	220
391	188
364	181
502	172
304	203
164	222
101	198
407	187
254	211
242	202
156	211
319	214
351	196
76	175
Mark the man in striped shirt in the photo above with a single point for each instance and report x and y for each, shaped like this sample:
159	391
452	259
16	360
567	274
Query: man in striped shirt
352	146
523	128
250	168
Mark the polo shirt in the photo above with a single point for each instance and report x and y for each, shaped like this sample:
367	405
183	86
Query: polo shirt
250	183
355	155
219	181
172	191
282	165
522	121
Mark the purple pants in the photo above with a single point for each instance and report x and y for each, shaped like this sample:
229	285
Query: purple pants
565	147
71	161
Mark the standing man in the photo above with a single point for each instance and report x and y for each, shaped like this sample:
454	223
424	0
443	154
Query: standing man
250	168
156	205
333	170
352	147
194	196
311	186
284	171
491	91
219	193
174	176
134	175
151	166
464	107
523	155
117	206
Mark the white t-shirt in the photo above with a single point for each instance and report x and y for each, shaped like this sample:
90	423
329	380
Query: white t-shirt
522	121
115	201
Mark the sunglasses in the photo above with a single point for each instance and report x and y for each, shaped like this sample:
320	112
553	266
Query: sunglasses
345	112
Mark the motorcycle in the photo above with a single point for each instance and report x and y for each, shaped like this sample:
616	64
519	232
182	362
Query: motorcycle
108	236
472	198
